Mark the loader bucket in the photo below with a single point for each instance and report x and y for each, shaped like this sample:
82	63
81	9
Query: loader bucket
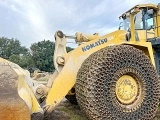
17	102
12	106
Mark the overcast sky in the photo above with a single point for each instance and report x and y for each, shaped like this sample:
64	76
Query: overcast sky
35	20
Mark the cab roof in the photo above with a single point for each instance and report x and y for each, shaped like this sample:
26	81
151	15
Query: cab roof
153	6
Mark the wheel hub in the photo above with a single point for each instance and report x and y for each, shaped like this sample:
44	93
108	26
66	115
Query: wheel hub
126	89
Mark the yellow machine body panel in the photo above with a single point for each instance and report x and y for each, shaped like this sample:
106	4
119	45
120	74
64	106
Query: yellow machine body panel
142	34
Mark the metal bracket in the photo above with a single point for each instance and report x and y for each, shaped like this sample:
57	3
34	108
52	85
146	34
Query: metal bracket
60	50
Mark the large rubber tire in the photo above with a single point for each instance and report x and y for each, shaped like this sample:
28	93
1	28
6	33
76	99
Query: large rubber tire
97	78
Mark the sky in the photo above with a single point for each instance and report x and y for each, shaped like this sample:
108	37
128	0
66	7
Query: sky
31	21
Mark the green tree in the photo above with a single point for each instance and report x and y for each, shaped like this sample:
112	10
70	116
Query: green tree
12	50
42	54
68	49
15	59
25	61
10	47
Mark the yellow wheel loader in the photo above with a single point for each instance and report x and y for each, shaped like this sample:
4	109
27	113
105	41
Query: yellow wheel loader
113	77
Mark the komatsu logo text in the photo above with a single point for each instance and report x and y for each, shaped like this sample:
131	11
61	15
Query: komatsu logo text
92	45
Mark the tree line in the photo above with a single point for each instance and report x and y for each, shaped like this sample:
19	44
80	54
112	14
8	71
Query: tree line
38	56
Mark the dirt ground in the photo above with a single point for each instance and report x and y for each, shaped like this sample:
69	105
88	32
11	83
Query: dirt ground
67	111
157	117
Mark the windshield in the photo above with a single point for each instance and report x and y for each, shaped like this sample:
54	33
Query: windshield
148	18
144	19
126	23
138	21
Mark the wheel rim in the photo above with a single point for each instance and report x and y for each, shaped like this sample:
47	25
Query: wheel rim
126	89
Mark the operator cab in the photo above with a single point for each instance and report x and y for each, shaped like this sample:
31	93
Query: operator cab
144	19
